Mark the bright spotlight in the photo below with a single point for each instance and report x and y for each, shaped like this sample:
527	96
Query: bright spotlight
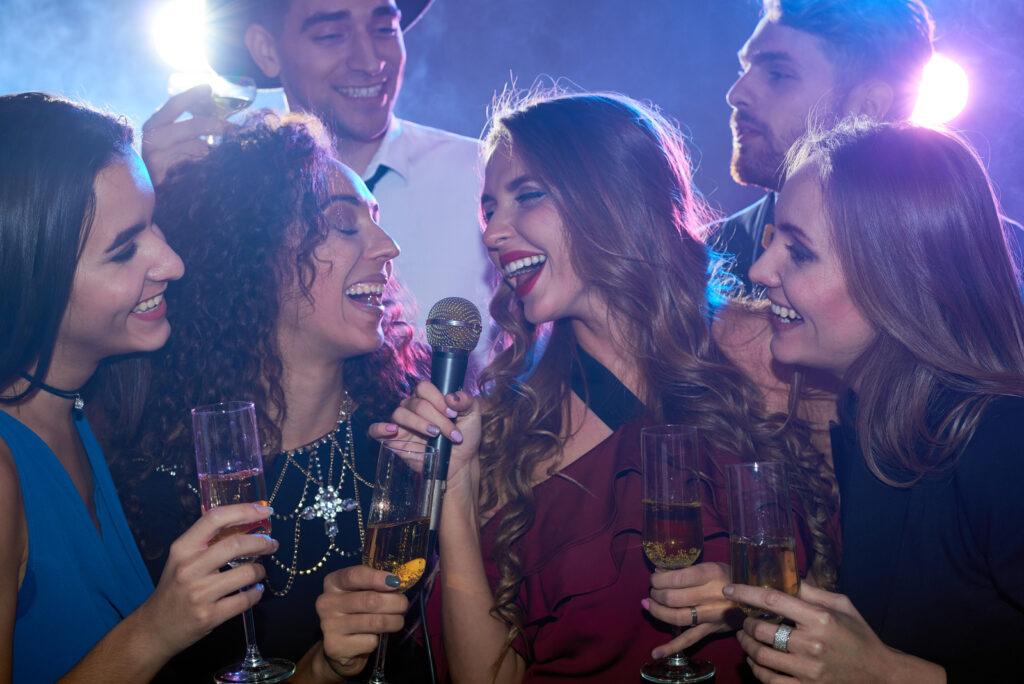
179	34
943	93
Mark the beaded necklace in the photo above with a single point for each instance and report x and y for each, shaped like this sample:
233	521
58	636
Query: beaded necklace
321	497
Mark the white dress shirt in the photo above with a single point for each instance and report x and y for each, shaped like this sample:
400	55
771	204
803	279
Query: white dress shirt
430	204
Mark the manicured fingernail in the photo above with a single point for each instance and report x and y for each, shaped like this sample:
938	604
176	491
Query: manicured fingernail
657	654
390	427
646	603
433	430
263	508
451	413
727	590
392	580
456	436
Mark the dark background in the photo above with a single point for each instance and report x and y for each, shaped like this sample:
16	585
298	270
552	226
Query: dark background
679	54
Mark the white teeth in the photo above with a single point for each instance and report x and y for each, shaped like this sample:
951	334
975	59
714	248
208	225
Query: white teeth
149	304
364	289
787	315
512	268
369	91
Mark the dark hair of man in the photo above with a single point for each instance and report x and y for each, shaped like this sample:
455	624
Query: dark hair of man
923	254
886	39
246	220
51	150
620	178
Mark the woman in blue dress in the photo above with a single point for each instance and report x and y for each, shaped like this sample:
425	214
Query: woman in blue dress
84	272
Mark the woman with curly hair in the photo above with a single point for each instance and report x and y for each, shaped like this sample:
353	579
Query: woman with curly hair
890	270
85	271
607	319
286	303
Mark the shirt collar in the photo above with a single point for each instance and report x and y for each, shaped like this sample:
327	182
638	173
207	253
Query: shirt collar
390	153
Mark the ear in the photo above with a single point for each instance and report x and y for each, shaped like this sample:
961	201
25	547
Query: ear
872	99
263	49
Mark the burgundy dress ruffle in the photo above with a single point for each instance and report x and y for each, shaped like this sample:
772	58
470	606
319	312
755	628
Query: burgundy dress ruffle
586	573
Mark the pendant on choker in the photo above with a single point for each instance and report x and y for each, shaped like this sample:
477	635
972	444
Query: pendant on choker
327	504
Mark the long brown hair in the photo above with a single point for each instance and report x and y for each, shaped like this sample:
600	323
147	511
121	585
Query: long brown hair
919	237
619	176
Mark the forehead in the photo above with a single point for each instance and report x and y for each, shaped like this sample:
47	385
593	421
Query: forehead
301	11
772	40
801	202
343	184
504	163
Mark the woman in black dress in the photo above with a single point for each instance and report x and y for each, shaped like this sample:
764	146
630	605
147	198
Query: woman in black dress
286	302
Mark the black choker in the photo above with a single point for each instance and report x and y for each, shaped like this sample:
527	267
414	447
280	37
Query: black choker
63	394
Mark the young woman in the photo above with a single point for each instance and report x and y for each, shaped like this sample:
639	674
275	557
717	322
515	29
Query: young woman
286	302
591	218
85	271
890	270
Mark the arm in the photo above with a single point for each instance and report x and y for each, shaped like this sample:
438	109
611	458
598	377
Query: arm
830	643
13	554
358	604
473	638
192	597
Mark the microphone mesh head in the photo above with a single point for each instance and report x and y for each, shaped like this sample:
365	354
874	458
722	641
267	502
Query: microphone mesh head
454	324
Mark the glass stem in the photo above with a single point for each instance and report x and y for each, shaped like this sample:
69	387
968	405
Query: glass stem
378	668
678	659
253	659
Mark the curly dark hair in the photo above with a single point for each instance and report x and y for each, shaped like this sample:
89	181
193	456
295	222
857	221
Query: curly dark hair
246	220
619	175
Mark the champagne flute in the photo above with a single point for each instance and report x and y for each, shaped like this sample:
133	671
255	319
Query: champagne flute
673	531
761	539
230	469
228	95
399	520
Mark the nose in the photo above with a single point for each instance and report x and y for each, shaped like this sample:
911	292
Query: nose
496	231
382	246
765	270
166	264
739	94
363	55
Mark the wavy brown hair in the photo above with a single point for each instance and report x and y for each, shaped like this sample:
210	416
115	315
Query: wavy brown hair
620	178
920	241
246	220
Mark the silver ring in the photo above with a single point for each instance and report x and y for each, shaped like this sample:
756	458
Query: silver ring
781	641
693	616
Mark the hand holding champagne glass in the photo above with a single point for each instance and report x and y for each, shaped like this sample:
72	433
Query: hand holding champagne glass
762	544
230	468
399	522
227	96
673	531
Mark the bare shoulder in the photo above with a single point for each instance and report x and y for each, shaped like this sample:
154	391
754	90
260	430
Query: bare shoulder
12	510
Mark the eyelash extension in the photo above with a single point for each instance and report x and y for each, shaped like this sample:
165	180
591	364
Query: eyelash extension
798	254
125	254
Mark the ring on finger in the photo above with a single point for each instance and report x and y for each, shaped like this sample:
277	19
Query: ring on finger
781	640
693	616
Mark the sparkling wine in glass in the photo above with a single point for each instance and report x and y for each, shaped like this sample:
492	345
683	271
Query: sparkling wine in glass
230	468
762	544
399	521
228	95
673	531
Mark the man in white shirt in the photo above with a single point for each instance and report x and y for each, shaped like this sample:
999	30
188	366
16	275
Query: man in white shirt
343	60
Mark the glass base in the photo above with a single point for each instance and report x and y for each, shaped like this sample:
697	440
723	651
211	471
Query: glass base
269	671
675	668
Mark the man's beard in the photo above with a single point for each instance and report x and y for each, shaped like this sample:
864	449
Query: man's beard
762	168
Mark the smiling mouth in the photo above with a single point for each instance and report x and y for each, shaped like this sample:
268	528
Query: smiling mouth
786	315
367	92
147	305
367	294
524	267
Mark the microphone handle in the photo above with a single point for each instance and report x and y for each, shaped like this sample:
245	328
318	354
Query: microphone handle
447	373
